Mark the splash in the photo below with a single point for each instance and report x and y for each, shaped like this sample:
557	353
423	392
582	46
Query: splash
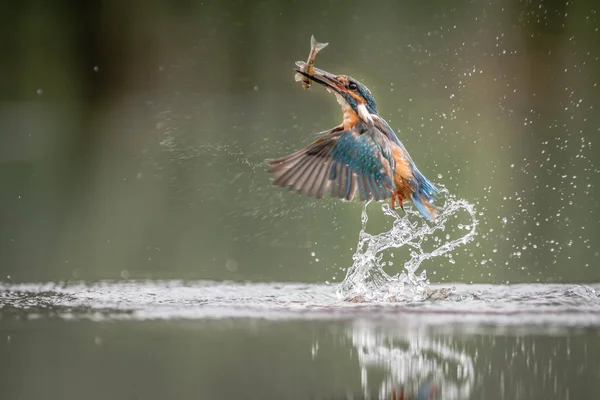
366	279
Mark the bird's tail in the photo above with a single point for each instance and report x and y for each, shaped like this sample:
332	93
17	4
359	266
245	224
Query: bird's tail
424	197
425	207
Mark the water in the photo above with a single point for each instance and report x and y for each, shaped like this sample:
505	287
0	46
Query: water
213	340
465	307
367	280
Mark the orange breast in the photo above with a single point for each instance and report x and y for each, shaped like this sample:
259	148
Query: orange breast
402	174
350	119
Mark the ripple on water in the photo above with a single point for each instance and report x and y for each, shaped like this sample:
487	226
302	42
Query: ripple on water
468	306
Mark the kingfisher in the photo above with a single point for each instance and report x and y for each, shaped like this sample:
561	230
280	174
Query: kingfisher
361	155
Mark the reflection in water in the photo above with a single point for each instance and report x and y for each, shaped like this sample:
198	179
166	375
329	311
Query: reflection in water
366	278
413	360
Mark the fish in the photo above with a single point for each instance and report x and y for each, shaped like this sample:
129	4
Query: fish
307	67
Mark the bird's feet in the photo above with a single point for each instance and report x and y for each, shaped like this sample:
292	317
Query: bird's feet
395	397
399	198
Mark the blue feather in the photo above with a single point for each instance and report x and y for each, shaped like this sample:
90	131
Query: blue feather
421	207
348	183
425	187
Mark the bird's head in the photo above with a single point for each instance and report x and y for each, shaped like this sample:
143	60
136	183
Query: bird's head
350	93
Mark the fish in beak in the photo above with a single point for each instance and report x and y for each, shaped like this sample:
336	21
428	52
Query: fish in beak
345	88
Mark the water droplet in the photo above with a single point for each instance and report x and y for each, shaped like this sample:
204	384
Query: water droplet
231	265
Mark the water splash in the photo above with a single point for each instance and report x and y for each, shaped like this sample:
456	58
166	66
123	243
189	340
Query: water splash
366	279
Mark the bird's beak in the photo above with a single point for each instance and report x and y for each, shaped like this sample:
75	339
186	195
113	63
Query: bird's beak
330	81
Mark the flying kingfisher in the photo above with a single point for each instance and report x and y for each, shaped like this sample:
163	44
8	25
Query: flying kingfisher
361	154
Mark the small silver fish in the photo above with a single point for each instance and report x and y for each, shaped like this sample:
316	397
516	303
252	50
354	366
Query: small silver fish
307	68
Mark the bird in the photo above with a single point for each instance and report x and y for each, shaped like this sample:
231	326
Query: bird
362	155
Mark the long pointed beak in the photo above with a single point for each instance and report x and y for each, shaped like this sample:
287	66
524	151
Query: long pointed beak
322	77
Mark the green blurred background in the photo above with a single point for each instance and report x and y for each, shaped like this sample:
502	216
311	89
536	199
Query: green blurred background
133	134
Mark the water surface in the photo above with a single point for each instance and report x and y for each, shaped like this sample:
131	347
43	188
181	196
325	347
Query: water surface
458	305
215	340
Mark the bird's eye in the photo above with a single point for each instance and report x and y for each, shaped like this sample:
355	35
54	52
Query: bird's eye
352	86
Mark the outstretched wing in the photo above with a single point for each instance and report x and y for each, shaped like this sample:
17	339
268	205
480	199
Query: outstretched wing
340	162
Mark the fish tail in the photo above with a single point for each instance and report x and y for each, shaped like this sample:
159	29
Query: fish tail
316	45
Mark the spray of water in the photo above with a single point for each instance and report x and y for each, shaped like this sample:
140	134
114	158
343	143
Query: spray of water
367	280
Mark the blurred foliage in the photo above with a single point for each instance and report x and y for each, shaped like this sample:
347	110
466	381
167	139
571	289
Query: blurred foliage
133	134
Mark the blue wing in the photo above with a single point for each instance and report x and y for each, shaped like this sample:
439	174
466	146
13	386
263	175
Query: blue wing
341	162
